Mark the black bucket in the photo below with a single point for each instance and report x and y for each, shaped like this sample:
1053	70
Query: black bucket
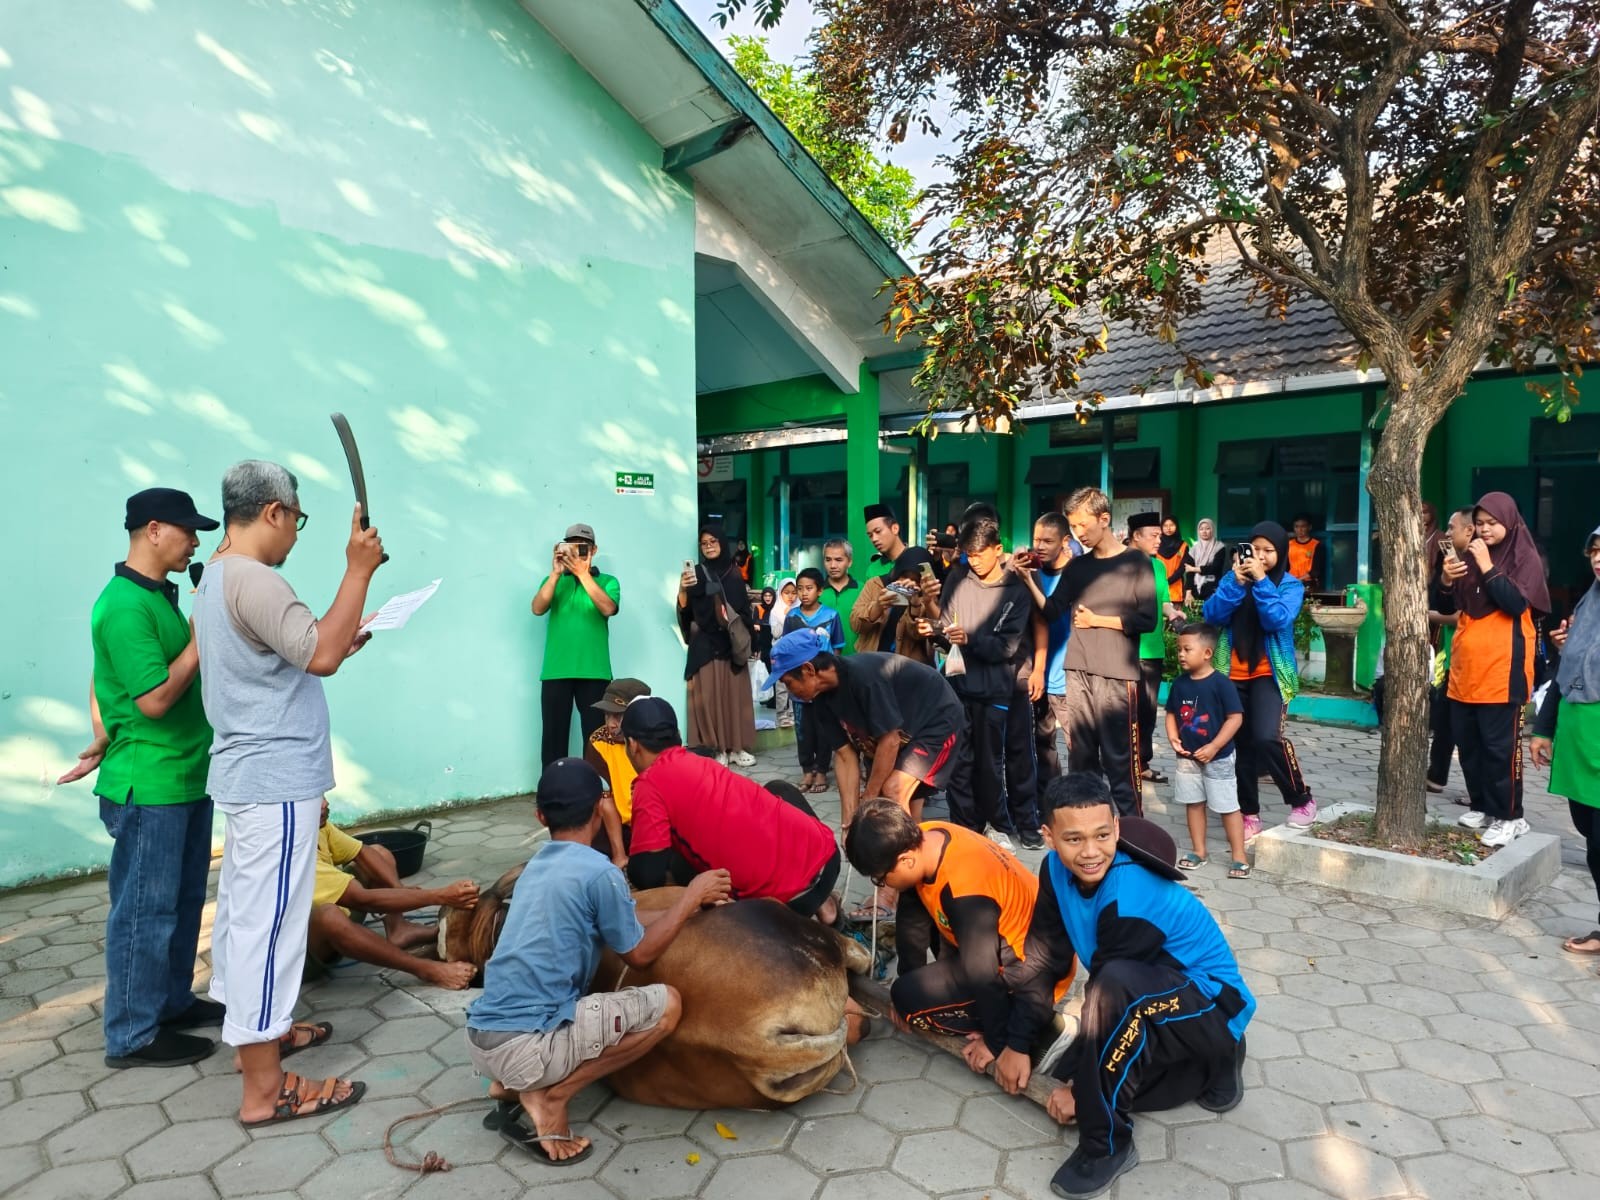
406	845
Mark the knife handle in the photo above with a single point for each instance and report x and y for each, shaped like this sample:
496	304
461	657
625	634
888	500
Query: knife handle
366	523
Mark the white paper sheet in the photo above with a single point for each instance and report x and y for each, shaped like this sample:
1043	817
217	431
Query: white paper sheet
397	611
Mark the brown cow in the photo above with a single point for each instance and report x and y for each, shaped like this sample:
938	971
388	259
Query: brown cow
763	989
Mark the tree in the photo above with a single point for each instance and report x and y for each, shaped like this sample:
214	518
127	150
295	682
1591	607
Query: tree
886	194
1426	168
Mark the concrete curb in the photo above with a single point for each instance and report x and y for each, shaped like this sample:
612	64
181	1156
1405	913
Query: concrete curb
1491	888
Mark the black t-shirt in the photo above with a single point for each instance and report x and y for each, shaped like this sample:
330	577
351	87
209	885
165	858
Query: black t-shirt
1121	586
879	693
1201	706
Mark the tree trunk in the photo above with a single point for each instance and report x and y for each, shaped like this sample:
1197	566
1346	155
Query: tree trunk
1395	481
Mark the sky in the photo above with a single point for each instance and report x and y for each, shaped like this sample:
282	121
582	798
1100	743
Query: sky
787	43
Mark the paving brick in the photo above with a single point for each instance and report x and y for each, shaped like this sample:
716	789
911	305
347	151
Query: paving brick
1415	1092
1009	1122
188	1148
1480	1033
633	1122
364	1175
1501	1144
909	1105
282	1162
1312	1080
1384	1129
141	1085
1460	1178
883	1060
1324	989
658	1169
757	1132
106	1134
835	1145
1349	1049
947	1161
187	1187
1347	1169
1282	1189
67	1073
1565	1185
769	1176
1228	1152
1448	1060
81	1181
479	1181
19	1058
1278	1114
881	1185
19	1163
1525	1104
34	1118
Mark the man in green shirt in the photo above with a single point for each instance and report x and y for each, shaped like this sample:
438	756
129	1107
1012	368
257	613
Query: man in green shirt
840	591
1144	534
577	647
152	746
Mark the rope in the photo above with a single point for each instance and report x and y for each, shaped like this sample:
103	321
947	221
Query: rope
855	1080
432	1160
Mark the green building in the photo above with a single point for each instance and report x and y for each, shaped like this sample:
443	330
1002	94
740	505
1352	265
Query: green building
513	242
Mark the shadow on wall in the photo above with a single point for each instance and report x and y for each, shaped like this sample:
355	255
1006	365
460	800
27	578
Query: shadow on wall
484	268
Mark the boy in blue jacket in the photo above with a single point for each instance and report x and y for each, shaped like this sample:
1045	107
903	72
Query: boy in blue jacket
1165	1007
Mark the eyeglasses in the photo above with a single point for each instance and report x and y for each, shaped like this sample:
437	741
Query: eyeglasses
300	518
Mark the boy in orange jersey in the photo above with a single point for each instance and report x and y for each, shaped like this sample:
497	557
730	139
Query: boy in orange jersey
989	982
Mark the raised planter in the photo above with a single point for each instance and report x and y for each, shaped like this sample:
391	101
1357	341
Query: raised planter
1491	888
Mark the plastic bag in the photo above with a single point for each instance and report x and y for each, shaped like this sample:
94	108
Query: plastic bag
954	664
760	681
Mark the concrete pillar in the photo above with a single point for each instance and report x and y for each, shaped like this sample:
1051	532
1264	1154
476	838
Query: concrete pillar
863	480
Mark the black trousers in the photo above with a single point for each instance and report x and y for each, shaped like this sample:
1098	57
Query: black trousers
556	700
1022	768
1443	747
1149	1040
936	998
1103	734
1489	738
1261	744
1586	821
1149	706
813	755
977	784
1049	717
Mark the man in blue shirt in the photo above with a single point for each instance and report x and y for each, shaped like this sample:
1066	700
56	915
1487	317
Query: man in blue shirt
534	1032
1053	549
1165	1007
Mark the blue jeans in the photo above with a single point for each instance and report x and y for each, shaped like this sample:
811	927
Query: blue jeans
158	889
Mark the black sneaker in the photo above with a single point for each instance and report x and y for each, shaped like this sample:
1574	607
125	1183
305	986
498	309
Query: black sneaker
1084	1175
169	1049
1031	839
201	1011
1226	1089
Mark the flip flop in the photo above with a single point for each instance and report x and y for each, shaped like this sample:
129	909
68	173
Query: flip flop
1239	870
1151	775
1592	936
502	1114
321	1031
520	1136
291	1101
1192	862
866	912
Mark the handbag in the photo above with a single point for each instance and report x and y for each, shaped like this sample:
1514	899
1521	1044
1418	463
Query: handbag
738	632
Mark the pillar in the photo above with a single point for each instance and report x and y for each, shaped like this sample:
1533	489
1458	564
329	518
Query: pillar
757	511
1108	442
863	480
781	566
1185	504
1369	408
917	501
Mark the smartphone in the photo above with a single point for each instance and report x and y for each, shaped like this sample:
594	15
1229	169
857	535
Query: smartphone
1450	554
563	548
1246	550
1022	556
688	565
927	573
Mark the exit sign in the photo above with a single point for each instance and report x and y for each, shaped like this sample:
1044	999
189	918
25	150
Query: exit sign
635	483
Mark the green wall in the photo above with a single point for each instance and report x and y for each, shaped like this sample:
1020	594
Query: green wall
221	222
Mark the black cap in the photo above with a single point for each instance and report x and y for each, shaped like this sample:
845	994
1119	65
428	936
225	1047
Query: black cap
167	505
1143	520
872	512
649	719
567	792
1150	846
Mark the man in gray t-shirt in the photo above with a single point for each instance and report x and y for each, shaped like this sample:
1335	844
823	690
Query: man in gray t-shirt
262	657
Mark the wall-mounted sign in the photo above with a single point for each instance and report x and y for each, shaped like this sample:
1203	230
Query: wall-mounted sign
715	468
635	483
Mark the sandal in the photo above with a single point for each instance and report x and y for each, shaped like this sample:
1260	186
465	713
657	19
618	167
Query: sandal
1151	775
1192	862
502	1114
1239	870
290	1042
871	911
523	1138
292	1101
1570	945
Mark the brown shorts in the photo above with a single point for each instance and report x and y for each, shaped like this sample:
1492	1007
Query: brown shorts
524	1061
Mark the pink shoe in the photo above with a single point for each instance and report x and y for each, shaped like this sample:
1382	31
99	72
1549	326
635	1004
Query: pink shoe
1301	815
1252	827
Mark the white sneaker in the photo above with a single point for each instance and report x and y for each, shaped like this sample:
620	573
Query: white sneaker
722	758
1503	833
1473	819
1000	838
742	758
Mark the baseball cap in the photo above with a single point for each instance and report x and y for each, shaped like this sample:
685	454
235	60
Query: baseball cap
795	650
567	792
649	719
167	505
620	693
580	532
1150	846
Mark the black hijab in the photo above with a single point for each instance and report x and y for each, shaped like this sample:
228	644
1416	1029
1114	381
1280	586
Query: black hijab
1249	640
1170	542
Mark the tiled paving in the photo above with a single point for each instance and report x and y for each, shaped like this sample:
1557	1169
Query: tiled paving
1398	1052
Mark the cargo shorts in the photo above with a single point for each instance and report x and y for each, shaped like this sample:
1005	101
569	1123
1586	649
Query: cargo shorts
533	1061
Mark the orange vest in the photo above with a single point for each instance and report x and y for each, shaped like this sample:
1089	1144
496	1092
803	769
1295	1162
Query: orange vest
972	865
1491	658
1302	557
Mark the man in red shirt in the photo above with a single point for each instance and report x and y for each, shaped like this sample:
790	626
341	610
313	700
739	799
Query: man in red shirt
691	814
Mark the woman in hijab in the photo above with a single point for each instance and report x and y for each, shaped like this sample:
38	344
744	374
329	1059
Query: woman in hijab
1173	552
1500	590
1566	734
711	597
1254	608
762	616
1206	561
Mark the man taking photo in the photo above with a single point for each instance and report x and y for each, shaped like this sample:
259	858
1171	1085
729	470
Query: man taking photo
580	602
152	747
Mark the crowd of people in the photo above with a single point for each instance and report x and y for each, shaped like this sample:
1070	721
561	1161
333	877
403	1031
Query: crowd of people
945	677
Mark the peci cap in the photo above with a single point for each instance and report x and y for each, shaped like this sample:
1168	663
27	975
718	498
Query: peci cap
1143	520
1150	846
872	512
795	650
567	792
620	693
167	505
649	719
579	532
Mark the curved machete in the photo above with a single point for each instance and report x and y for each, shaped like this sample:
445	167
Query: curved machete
358	477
